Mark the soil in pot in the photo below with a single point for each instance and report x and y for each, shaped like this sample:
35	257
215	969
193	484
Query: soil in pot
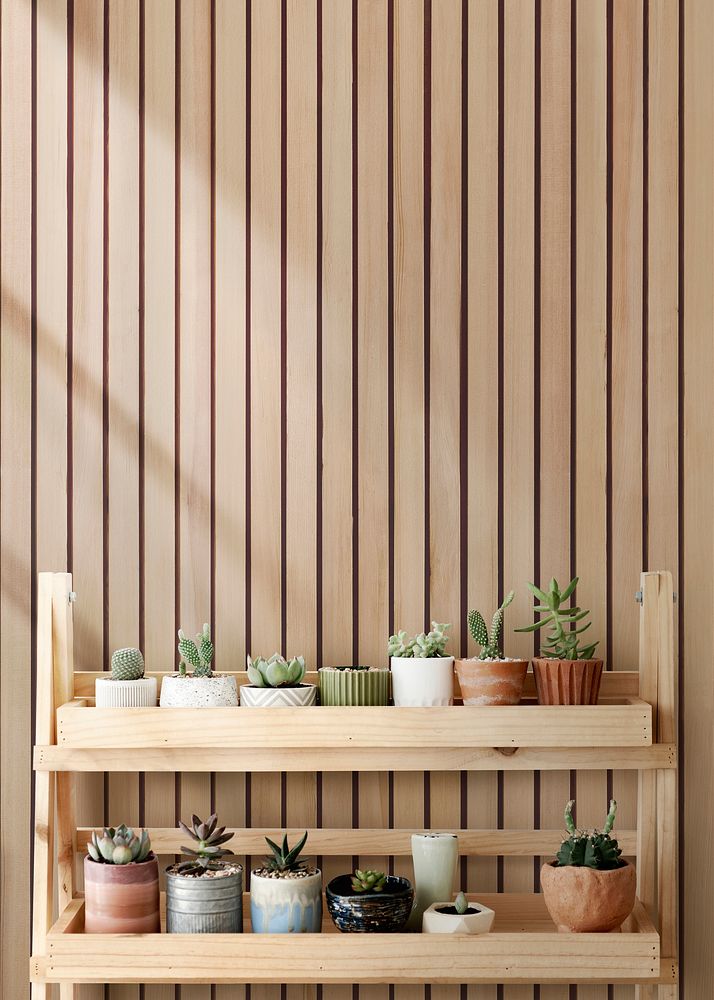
121	899
567	682
491	682
286	902
354	685
452	911
369	912
300	696
204	901
583	899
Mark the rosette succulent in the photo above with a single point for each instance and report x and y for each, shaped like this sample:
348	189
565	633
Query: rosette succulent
198	653
120	846
426	644
276	672
368	881
207	840
590	848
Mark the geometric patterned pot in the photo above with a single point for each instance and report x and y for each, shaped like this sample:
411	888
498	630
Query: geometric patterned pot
567	682
281	697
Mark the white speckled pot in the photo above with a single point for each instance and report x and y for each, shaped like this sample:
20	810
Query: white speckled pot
286	905
219	691
139	693
281	697
435	922
420	681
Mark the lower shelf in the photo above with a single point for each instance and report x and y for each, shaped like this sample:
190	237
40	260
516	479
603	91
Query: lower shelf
524	947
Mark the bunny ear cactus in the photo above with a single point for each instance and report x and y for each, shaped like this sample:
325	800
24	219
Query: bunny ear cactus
563	642
276	672
490	649
424	645
590	849
119	846
127	664
207	838
198	653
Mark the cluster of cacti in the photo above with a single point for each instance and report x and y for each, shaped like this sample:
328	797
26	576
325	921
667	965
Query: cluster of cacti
563	642
119	846
276	672
590	848
461	903
198	653
285	858
426	644
490	649
368	881
207	838
127	664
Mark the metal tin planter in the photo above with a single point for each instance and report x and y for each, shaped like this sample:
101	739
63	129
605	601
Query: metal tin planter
383	912
204	905
351	686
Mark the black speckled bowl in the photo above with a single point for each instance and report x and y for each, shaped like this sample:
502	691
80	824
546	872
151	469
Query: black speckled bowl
369	912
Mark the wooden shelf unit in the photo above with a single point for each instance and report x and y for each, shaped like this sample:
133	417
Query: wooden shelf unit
633	728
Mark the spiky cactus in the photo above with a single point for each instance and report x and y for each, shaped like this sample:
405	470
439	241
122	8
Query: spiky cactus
127	664
119	846
426	644
207	838
590	848
285	858
490	649
276	672
368	881
198	653
562	642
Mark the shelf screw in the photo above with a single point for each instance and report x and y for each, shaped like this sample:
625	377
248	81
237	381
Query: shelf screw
638	596
72	596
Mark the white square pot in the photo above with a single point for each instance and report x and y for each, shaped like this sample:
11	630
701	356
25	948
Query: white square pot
137	693
421	681
434	922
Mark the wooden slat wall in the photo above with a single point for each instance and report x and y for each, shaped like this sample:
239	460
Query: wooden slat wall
322	318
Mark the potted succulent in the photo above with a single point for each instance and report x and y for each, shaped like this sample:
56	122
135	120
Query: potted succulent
127	687
121	883
201	688
277	683
566	672
354	685
459	917
369	901
589	887
204	895
285	892
421	674
490	678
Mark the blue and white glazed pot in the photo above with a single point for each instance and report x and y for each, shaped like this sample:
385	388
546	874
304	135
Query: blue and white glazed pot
286	905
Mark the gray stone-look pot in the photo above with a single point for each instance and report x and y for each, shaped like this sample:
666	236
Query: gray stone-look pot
217	691
204	905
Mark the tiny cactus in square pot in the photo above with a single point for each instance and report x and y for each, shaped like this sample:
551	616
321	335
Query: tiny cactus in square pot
204	895
566	672
369	902
121	883
422	675
127	687
198	687
459	917
490	678
354	685
277	683
286	892
589	887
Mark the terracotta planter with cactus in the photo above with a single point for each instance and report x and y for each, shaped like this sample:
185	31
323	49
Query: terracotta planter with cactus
490	678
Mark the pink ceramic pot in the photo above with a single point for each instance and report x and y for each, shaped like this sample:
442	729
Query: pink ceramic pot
121	899
584	899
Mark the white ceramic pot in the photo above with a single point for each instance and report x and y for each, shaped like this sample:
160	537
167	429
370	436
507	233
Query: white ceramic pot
138	693
436	922
435	856
286	905
282	697
423	681
218	691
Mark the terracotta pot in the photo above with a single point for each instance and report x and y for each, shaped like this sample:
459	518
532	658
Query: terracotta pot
567	682
121	899
584	899
491	682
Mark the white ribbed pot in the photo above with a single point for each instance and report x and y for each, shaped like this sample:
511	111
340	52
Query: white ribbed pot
439	919
281	697
218	691
139	693
420	681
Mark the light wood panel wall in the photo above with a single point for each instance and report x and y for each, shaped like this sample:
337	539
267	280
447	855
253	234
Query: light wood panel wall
322	318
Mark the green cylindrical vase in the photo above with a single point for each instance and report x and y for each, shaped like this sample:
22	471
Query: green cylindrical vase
354	686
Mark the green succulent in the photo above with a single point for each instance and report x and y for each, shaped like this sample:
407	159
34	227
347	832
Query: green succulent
285	858
426	644
276	672
490	649
207	838
127	664
461	904
589	848
198	653
368	881
563	641
119	846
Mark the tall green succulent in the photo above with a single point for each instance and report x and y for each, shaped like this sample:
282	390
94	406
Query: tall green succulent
563	642
426	644
490	649
590	848
207	839
198	653
276	672
285	858
127	664
368	881
119	846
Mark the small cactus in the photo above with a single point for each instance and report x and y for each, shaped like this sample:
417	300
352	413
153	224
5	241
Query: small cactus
368	881
426	644
198	653
127	664
119	846
461	904
490	649
590	848
276	672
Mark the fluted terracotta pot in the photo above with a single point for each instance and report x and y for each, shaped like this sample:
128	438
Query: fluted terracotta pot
121	899
583	899
567	682
491	682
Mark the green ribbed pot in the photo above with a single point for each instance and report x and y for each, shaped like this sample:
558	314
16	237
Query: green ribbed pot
353	687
